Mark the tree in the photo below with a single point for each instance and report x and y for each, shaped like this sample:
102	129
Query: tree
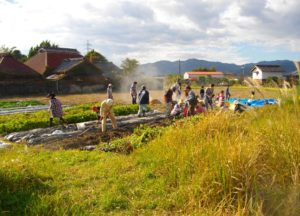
43	44
14	52
95	56
212	69
129	66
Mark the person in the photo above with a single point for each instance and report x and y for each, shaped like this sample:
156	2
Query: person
168	100
133	92
227	93
177	89
202	91
55	109
96	109
143	101
109	91
200	108
209	94
238	107
176	111
252	95
191	100
221	98
106	111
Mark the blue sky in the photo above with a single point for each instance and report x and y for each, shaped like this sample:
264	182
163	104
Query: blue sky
232	31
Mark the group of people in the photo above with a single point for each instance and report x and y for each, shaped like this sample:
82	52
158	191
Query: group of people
192	105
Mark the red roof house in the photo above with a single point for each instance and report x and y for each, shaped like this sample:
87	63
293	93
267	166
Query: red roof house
193	75
48	59
12	69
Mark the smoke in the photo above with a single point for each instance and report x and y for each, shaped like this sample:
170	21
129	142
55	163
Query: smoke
144	77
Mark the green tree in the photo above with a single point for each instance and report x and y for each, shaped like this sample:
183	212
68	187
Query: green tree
43	44
95	56
129	66
212	69
14	52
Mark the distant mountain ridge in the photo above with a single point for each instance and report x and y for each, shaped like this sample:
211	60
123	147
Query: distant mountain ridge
162	68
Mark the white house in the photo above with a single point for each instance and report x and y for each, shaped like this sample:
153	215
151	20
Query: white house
263	72
195	75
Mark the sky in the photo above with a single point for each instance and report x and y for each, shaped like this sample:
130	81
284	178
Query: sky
232	31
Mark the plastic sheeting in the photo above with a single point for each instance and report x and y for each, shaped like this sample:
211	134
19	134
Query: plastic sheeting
254	102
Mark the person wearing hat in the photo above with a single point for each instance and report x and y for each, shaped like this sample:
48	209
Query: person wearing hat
55	109
133	92
106	111
109	91
143	101
238	107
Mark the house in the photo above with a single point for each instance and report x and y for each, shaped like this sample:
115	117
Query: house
195	75
262	72
292	77
78	75
48	59
18	78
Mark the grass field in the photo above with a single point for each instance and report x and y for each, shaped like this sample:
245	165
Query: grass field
221	164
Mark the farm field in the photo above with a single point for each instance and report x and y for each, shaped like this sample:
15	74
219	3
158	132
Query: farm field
124	97
218	164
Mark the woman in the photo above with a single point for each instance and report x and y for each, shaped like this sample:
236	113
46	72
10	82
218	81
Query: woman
55	109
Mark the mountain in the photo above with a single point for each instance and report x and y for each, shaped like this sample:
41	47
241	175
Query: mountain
162	68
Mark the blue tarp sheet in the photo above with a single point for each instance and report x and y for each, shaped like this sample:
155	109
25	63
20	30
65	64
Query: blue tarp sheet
254	102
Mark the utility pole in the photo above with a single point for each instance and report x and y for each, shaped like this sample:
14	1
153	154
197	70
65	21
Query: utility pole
179	67
88	46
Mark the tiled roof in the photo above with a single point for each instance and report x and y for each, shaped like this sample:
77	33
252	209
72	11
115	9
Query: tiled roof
269	68
68	64
11	67
205	73
58	50
46	60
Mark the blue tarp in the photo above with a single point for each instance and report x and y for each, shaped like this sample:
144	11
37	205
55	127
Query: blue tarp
254	102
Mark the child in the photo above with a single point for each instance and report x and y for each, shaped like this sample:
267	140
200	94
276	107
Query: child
176	111
200	108
221	99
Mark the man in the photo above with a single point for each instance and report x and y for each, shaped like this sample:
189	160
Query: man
209	94
143	101
191	100
177	89
109	91
133	92
168	100
55	109
106	111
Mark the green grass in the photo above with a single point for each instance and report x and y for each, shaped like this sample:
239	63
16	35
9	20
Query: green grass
223	164
12	104
40	119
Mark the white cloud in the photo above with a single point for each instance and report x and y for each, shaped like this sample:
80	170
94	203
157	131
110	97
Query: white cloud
153	30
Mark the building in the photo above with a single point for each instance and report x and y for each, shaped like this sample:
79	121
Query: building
75	75
262	72
17	78
195	75
48	59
